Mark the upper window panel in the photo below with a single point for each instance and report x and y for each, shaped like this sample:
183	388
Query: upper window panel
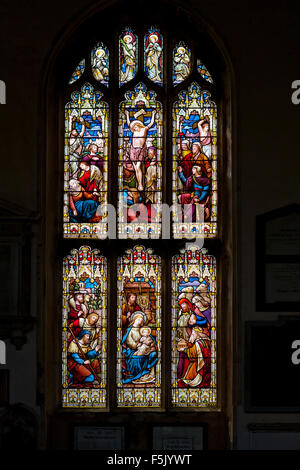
85	171
128	53
181	63
204	72
140	149
77	72
100	63
153	56
195	163
137	121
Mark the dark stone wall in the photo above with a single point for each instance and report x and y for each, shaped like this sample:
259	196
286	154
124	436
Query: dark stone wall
262	41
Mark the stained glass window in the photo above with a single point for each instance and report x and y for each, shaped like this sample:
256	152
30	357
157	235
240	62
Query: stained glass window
100	63
181	62
85	170
128	53
194	329
204	72
84	328
153	55
77	72
140	149
139	329
118	136
195	163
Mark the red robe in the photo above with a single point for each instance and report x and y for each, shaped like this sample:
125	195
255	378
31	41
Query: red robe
89	186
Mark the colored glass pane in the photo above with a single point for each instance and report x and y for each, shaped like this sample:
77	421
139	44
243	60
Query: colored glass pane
140	148
139	329
195	164
153	55
181	63
77	72
85	170
128	50
194	293
100	63
84	327
204	72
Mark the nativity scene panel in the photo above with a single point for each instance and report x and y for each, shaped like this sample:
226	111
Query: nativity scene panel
194	329
139	329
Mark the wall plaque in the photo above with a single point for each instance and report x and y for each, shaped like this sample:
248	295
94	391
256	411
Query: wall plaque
98	438
278	260
178	438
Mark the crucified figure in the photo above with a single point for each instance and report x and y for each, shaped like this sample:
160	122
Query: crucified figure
137	150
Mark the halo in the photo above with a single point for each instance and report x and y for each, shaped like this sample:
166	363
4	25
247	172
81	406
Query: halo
153	35
138	313
181	49
100	52
127	36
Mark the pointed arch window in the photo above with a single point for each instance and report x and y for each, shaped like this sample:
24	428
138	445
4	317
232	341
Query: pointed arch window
136	140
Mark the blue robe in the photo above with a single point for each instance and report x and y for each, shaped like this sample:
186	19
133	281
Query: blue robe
86	209
136	366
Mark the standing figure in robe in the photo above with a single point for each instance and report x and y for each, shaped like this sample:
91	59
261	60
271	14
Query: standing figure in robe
76	147
128	64
153	53
197	190
129	308
194	367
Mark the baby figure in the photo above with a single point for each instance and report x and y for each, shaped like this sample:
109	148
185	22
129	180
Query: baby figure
146	345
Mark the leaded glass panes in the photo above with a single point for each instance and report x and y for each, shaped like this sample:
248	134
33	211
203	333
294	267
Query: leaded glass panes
139	329
84	329
100	63
77	72
140	149
204	72
153	55
85	169
137	122
194	329
128	54
195	163
181	62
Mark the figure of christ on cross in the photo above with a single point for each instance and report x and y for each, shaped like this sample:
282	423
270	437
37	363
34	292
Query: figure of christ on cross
137	149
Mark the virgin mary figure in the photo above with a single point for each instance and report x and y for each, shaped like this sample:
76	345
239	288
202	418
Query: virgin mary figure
137	369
